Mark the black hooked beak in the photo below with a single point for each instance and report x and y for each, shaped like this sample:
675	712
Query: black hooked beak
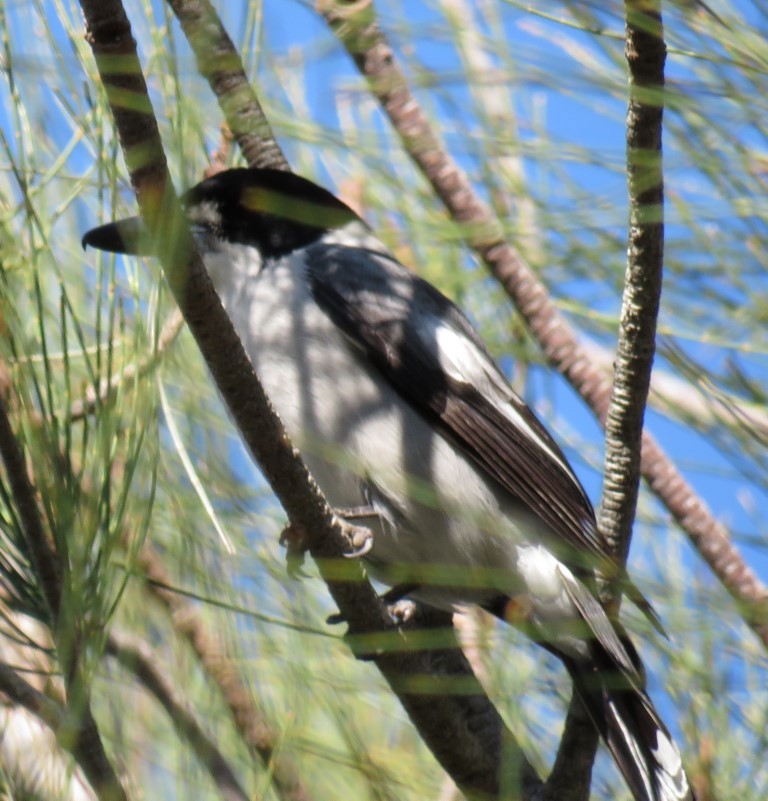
124	236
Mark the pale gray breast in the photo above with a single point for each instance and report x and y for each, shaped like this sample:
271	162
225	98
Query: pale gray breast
354	430
330	406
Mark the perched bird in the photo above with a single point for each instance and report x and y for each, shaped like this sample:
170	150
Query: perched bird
398	408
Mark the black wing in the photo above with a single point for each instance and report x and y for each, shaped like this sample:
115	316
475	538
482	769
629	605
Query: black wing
427	349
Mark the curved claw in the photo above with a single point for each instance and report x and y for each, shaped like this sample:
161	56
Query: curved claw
363	549
294	538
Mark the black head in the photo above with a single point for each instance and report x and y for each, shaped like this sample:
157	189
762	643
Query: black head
274	211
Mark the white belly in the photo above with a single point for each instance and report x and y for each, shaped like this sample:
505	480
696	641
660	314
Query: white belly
357	436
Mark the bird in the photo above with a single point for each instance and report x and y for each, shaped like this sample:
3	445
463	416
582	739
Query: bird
399	410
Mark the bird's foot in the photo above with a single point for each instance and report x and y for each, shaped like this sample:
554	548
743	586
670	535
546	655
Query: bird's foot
400	608
295	539
402	611
359	538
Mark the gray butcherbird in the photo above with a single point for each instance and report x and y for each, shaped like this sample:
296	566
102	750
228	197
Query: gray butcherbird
397	407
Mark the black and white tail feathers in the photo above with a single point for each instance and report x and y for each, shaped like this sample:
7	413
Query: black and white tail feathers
638	741
610	681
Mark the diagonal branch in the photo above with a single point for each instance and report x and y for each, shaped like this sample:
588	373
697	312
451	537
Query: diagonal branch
221	65
138	658
472	751
254	729
354	23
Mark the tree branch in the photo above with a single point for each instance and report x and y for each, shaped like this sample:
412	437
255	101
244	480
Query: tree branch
634	354
646	54
220	64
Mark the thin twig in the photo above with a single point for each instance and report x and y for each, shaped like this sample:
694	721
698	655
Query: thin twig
254	729
355	25
137	657
472	750
132	374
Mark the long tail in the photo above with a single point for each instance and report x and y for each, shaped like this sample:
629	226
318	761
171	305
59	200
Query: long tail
636	737
609	677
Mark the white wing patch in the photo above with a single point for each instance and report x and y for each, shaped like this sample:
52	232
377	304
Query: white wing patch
540	573
456	354
465	363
